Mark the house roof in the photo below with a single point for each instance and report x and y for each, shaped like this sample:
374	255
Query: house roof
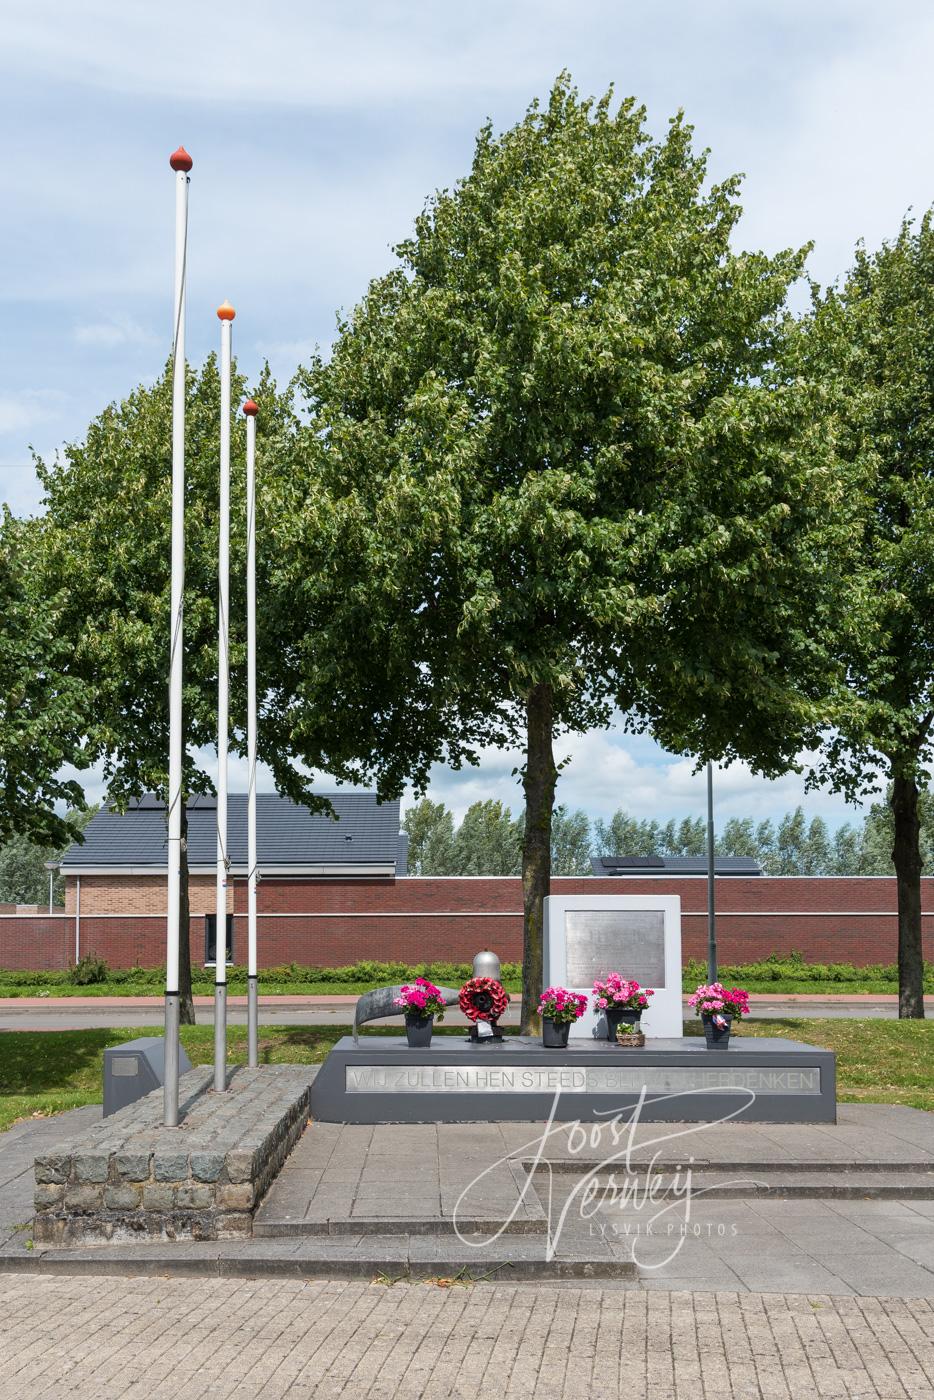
673	865
365	838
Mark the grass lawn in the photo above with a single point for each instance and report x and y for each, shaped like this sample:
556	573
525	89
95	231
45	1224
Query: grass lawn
45	1072
777	987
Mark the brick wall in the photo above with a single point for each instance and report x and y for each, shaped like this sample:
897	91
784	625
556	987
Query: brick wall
136	894
332	922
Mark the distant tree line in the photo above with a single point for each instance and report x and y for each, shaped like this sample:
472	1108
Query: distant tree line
488	840
24	878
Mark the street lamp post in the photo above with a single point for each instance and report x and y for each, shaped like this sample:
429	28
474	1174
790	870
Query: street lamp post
251	410
225	314
181	163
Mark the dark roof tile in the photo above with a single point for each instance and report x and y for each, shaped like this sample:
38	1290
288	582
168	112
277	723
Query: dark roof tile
366	833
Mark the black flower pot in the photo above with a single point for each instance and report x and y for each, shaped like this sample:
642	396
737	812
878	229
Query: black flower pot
615	1017
418	1031
717	1037
555	1033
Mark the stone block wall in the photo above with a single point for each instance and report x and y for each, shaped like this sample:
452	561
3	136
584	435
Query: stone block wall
130	1178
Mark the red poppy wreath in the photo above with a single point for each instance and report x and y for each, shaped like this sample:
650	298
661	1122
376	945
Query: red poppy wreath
483	999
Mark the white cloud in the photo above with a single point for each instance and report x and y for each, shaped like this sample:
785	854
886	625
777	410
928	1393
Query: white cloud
122	332
30	408
608	770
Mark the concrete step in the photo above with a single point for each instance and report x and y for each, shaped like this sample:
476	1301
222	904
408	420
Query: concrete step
801	1182
380	1259
269	1227
577	1166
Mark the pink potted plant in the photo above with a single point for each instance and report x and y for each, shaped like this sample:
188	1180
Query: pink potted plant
620	999
558	1008
421	1001
717	1006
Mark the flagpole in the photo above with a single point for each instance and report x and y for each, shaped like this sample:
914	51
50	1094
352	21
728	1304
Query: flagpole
251	410
225	314
181	163
711	883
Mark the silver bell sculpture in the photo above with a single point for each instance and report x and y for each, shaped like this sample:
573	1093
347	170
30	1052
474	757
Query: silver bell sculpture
487	965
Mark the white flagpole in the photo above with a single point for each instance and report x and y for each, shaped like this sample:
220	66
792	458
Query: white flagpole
251	410
226	315
181	163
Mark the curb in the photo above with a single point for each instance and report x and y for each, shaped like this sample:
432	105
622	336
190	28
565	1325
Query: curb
398	1269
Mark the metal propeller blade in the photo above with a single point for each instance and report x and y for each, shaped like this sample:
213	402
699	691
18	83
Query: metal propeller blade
374	1005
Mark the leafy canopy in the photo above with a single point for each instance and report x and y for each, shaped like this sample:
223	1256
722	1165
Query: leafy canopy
869	345
549	447
43	707
106	555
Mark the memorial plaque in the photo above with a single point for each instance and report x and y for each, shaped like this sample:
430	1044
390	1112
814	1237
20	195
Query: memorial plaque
585	1079
631	941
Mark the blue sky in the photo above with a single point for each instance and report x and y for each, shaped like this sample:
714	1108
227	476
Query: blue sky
317	131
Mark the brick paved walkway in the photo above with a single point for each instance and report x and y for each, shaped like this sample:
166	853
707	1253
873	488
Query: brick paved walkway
178	1339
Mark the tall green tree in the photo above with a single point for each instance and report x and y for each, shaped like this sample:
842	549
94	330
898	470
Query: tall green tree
547	473
430	828
790	843
624	835
105	557
570	842
868	345
488	841
738	838
24	877
44	708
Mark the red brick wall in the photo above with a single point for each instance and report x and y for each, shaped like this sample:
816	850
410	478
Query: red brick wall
331	922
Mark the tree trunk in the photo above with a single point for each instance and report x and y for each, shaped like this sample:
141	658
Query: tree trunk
906	855
539	777
186	1005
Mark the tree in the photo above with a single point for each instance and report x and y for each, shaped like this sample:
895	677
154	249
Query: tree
818	854
570	842
24	878
738	838
691	839
846	851
487	842
547	473
868	344
43	707
430	828
790	843
623	835
105	557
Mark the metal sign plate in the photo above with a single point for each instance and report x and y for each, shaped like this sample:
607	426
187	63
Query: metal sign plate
584	1079
630	941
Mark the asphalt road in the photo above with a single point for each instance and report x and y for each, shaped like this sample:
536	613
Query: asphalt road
58	1014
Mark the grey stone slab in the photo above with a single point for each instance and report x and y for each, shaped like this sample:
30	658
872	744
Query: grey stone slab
871	1273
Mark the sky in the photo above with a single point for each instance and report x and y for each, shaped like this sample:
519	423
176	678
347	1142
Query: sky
318	130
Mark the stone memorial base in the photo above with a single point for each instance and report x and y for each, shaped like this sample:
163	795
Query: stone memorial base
381	1080
130	1178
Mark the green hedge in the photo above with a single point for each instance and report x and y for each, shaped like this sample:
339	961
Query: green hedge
786	968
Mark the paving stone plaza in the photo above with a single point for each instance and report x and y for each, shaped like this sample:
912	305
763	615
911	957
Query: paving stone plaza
412	1261
159	1339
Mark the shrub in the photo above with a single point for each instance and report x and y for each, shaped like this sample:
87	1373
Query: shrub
88	971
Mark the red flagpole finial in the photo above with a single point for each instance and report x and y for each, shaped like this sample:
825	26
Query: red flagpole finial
180	159
251	408
225	311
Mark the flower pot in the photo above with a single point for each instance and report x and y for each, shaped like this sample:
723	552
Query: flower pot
615	1017
418	1031
717	1037
555	1033
629	1037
